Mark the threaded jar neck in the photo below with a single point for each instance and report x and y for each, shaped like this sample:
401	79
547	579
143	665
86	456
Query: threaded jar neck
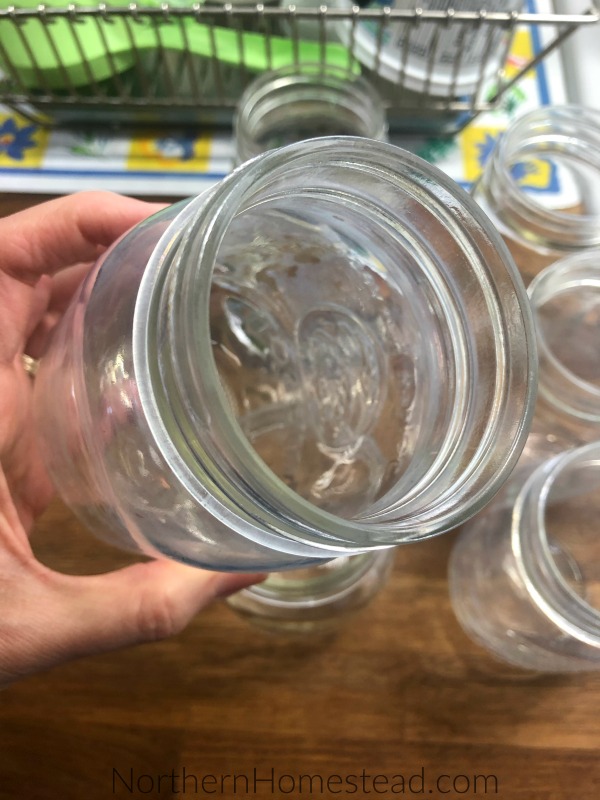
565	299
431	347
303	102
552	146
553	559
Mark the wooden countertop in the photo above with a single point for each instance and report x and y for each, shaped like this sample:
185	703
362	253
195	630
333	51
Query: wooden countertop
400	691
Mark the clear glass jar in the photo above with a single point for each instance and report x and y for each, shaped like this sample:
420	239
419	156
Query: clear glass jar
304	102
316	599
565	300
525	579
541	185
328	353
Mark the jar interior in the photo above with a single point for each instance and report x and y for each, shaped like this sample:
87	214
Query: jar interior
332	350
296	107
358	367
554	178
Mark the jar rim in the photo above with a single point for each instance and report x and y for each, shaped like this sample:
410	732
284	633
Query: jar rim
272	92
569	130
323	589
533	555
302	521
558	384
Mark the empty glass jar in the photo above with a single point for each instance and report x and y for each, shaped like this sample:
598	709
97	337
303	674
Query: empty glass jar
525	579
565	300
541	185
316	599
304	102
331	352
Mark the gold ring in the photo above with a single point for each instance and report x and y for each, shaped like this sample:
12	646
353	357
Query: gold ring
30	365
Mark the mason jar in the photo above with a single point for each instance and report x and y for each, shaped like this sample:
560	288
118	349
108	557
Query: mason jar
328	353
565	301
303	102
541	185
525	579
315	600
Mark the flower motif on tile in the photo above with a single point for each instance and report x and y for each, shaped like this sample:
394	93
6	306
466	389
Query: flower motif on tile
522	170
485	148
15	140
181	147
180	152
536	175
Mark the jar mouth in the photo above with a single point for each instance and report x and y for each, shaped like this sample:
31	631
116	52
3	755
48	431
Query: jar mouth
565	299
492	399
319	586
303	102
563	143
552	574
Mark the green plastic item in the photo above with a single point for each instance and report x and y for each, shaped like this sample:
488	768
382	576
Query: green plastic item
50	56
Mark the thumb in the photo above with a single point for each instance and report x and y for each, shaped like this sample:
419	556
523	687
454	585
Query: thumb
65	617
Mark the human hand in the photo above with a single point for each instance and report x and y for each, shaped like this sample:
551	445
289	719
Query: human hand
46	617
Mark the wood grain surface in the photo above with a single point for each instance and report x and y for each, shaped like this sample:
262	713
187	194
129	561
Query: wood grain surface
399	693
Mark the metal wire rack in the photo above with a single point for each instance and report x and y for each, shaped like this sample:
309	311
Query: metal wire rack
166	64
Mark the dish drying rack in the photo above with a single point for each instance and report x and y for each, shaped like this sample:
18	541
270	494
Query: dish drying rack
170	65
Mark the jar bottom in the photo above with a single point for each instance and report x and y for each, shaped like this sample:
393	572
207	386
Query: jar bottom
317	599
315	358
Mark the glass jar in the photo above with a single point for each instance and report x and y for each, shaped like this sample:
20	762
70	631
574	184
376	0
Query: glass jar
525	579
316	599
565	300
541	185
304	102
328	353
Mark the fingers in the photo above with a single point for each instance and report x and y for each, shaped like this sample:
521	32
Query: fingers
61	617
62	287
72	229
39	301
146	602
